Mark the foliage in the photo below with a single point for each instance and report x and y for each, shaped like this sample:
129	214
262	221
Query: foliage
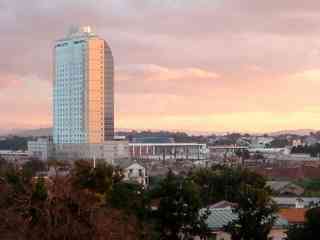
311	187
129	197
98	179
278	143
309	230
313	150
256	214
255	208
33	166
178	214
40	192
59	209
223	183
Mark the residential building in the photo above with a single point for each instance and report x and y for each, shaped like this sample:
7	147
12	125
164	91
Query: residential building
134	172
219	218
83	108
294	215
285	188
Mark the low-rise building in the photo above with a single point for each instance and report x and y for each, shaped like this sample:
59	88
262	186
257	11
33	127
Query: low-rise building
19	156
296	202
42	148
108	151
219	218
134	172
168	151
285	188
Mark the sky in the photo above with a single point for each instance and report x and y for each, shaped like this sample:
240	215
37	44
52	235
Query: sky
196	65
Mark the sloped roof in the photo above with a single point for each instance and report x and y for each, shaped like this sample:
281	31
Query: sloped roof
293	215
223	204
277	185
221	217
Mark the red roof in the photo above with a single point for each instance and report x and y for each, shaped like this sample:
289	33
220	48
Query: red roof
298	172
293	215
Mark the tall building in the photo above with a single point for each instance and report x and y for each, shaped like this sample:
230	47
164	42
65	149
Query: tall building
83	97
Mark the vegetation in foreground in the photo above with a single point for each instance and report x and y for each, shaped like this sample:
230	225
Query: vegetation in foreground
95	203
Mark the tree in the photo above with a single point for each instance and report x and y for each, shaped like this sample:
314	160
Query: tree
98	179
128	197
60	209
256	214
223	183
33	166
309	230
178	216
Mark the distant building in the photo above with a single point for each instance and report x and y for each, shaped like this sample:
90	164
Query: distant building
297	142
310	140
83	108
260	142
168	151
136	173
153	139
108	151
285	188
42	148
296	202
19	156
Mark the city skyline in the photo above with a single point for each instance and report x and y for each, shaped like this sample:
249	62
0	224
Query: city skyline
188	65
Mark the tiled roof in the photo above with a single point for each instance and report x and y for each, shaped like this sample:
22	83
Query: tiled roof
223	204
221	217
293	215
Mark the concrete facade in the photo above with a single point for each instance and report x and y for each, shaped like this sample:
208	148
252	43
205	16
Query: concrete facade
107	151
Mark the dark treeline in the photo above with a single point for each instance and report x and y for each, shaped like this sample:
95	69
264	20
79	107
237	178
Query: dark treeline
14	143
313	150
95	203
177	136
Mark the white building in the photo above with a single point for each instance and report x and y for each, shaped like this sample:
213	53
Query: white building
169	151
135	172
83	110
42	148
260	142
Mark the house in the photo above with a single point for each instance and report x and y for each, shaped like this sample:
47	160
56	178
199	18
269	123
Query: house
285	188
224	204
261	142
219	218
294	215
135	172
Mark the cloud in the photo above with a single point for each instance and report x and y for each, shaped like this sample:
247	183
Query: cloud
174	58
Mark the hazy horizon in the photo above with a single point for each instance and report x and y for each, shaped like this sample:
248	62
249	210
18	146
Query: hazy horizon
221	65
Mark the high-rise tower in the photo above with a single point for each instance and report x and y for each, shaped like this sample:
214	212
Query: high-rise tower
83	98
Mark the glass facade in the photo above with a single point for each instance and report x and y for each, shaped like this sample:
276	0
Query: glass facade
83	98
